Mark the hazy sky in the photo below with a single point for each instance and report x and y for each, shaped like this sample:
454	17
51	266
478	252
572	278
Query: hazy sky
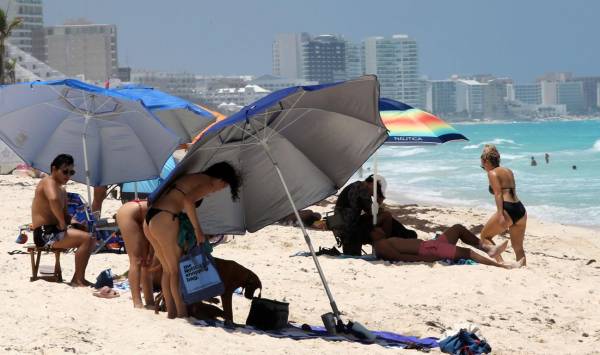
518	38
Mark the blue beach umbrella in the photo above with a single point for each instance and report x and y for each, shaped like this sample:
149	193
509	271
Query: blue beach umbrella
116	138
293	148
184	118
148	186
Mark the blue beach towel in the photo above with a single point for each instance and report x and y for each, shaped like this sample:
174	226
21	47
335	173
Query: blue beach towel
371	257
122	286
459	262
301	332
384	338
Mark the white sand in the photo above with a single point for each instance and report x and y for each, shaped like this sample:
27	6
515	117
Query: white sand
549	307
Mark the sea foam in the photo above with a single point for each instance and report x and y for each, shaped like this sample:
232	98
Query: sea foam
495	141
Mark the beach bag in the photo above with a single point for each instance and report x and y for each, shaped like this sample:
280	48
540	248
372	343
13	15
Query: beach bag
105	278
268	314
198	277
464	343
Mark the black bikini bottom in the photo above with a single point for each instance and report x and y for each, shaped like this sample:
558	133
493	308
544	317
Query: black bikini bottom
153	211
515	210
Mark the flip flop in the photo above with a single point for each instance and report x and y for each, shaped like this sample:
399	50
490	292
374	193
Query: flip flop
106	292
16	252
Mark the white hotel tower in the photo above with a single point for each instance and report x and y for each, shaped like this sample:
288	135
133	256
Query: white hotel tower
395	61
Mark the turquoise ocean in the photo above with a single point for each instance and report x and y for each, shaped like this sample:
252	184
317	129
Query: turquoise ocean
450	174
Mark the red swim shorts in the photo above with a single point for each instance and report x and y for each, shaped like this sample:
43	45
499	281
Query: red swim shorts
438	248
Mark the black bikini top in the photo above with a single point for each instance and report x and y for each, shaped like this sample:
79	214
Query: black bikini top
512	190
197	203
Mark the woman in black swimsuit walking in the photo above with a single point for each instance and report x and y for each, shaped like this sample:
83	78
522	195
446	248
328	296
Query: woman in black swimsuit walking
510	213
163	220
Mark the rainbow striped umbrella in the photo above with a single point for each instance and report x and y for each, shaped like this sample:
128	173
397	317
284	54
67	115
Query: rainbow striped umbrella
410	126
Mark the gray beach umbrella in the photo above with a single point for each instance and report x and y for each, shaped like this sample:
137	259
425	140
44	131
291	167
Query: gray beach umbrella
112	138
293	148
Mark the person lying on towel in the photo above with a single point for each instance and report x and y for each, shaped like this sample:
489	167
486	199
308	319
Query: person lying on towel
443	247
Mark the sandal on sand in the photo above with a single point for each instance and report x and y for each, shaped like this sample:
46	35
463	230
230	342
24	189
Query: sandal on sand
106	292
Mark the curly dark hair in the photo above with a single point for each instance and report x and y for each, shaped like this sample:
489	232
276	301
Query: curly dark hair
224	171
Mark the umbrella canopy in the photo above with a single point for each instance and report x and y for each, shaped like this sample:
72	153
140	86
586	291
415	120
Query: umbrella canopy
318	135
117	139
219	117
293	148
411	126
147	186
184	118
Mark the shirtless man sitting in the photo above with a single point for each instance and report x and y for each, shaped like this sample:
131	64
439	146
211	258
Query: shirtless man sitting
49	218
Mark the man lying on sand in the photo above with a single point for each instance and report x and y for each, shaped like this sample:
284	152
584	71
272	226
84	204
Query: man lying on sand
49	218
443	247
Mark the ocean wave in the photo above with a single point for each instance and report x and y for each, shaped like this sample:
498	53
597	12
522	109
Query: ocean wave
586	216
512	157
418	169
408	152
430	197
419	179
596	147
495	141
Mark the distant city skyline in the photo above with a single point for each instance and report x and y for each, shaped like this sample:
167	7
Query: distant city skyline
511	38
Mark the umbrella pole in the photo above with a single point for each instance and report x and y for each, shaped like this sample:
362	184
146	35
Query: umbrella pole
334	308
375	205
85	161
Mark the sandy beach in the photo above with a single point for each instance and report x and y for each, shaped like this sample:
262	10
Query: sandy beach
549	307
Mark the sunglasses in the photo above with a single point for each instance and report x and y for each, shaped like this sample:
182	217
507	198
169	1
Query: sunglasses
68	172
483	167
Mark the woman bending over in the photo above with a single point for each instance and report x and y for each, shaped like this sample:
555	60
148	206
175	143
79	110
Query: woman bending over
162	223
510	213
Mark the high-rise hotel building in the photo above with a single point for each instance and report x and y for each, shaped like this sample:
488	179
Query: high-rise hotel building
395	61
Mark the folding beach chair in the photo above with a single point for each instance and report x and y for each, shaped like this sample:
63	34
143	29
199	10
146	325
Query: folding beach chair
106	233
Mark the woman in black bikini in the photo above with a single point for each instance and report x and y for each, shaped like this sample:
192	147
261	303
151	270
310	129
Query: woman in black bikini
510	212
162	223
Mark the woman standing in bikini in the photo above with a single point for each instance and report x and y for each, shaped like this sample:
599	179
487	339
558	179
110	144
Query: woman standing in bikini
162	223
130	218
510	213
